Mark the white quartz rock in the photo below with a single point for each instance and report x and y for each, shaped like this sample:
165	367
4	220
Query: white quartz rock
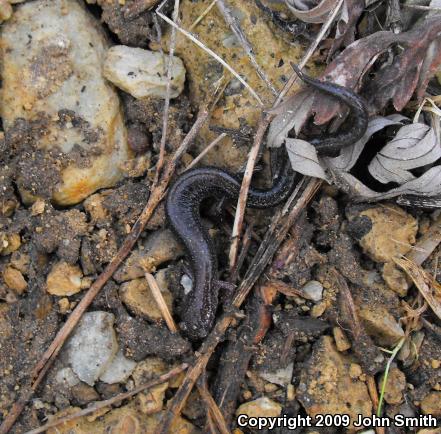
119	369
93	346
143	73
51	57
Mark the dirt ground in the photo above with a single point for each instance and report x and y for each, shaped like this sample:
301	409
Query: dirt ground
333	326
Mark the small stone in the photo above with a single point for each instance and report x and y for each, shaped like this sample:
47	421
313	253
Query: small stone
282	376
66	377
341	341
94	205
84	394
270	387
152	401
381	325
64	279
290	392
247	394
64	305
313	290
11	243
319	309
431	404
147	369
5	10
138	297
392	234
20	261
14	280
37	207
150	368
260	407
161	246
435	363
93	346
395	279
395	386
119	369
142	73
355	371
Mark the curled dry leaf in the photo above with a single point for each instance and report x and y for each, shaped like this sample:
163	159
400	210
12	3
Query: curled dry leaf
349	155
303	155
311	11
315	12
415	145
304	159
411	68
429	288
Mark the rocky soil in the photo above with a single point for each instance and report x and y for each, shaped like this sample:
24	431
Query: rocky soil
81	105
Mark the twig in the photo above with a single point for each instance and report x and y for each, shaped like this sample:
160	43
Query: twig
372	389
209	51
243	195
243	253
110	401
161	156
206	150
213	409
421	8
232	21
162	305
50	354
202	15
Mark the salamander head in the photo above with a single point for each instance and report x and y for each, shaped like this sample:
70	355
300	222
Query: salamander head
197	325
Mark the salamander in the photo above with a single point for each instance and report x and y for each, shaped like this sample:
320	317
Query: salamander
194	186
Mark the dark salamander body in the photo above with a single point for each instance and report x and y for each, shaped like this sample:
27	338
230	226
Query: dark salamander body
192	187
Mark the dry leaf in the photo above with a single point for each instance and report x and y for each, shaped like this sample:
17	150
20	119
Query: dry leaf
303	157
311	11
417	60
429	288
415	145
427	185
291	115
349	155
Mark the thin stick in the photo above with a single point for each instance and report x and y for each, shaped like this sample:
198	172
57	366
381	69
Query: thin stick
232	21
263	125
213	408
421	8
209	51
202	15
243	195
108	402
161	156
50	354
206	151
162	305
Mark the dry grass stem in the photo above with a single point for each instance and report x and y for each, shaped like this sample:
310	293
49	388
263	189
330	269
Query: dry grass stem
162	305
202	15
161	156
232	21
206	151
